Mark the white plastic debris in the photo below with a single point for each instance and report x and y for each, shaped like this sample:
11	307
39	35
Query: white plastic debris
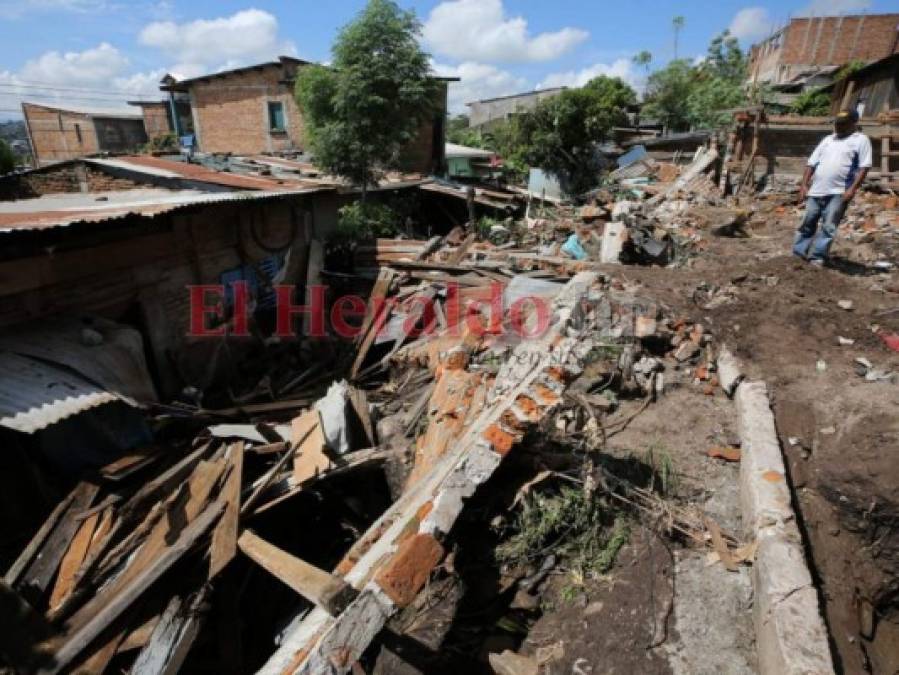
332	409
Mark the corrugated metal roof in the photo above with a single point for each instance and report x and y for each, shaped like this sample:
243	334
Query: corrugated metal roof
456	151
34	394
95	212
159	167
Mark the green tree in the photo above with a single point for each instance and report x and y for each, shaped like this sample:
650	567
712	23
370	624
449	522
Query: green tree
667	93
678	24
561	133
458	131
683	96
7	158
364	110
643	59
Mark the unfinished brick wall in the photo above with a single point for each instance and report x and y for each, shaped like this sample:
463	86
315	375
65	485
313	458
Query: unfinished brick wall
156	119
231	115
69	177
837	40
100	181
57	135
231	112
824	41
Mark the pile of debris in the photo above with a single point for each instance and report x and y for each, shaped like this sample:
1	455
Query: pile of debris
460	355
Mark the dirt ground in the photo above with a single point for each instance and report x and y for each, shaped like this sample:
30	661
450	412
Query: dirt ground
782	317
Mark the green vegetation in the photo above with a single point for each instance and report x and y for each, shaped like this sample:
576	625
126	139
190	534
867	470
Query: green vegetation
816	102
458	131
560	134
360	221
569	522
812	103
664	477
7	158
684	96
162	143
364	110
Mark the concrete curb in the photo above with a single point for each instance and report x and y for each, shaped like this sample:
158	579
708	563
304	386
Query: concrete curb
791	638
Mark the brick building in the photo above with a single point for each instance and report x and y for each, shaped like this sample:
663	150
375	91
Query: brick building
252	110
808	45
59	134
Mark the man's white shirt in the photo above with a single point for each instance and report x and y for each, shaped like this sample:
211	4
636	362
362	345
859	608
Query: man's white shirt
837	161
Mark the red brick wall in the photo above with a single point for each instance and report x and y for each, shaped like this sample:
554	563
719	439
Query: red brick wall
54	135
837	40
231	113
156	119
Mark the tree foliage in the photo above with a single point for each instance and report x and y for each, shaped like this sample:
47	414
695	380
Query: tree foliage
561	133
684	96
361	112
458	131
7	158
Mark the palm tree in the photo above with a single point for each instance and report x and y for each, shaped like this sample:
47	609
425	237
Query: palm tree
643	59
678	23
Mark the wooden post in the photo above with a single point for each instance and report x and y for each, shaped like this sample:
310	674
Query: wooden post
324	590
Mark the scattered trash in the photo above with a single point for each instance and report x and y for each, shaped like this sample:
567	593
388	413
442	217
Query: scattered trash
845	342
846	304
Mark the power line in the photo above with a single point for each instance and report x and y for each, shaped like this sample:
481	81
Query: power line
53	85
77	89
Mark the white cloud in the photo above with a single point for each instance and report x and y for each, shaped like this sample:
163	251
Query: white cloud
93	78
832	7
95	66
479	30
477	81
751	24
623	68
245	37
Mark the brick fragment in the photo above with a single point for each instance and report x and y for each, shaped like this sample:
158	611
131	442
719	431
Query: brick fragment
405	575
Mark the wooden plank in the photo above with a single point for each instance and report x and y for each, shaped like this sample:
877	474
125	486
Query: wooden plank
310	459
267	479
354	460
71	562
172	637
36	579
459	254
105	607
321	588
359	401
224	538
27	555
375	314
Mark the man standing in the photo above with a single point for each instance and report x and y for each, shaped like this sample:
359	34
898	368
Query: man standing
836	168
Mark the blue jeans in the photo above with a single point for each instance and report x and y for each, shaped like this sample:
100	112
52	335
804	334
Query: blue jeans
829	210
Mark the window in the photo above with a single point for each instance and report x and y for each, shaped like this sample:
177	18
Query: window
78	133
276	116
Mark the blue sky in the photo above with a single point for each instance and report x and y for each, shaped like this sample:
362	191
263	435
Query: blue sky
99	53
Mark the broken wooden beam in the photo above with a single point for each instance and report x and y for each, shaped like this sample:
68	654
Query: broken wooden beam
321	588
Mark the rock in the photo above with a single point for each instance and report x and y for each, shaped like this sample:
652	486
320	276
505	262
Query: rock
846	304
510	663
